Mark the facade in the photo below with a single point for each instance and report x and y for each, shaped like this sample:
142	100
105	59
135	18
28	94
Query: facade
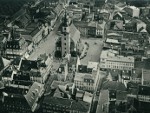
66	99
132	11
16	48
145	77
144	94
136	76
87	80
110	59
69	42
21	99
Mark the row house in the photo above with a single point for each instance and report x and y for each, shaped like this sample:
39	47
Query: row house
65	98
144	93
21	99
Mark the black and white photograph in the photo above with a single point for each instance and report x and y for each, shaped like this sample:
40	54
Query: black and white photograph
74	56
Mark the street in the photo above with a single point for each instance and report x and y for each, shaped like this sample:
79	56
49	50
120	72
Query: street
47	45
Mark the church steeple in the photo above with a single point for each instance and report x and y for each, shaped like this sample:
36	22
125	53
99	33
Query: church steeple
65	39
65	24
65	20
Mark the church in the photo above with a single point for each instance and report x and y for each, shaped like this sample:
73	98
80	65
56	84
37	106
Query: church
69	41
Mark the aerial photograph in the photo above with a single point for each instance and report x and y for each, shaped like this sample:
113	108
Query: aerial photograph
74	56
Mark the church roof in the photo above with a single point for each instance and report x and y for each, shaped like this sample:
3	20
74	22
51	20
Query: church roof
74	33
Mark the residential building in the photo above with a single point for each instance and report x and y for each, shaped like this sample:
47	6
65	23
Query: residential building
134	25
75	13
104	14
110	59
132	11
4	63
113	85
118	16
66	98
116	25
82	27
87	80
21	99
95	29
16	48
30	70
144	94
145	77
136	76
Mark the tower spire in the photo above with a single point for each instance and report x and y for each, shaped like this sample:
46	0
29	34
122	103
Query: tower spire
65	22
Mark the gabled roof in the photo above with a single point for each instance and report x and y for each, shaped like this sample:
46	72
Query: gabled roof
74	33
33	94
113	85
3	63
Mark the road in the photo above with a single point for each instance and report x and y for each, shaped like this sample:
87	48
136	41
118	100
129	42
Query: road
97	92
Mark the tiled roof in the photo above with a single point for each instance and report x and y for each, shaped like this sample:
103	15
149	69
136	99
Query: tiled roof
144	90
27	65
7	72
80	106
1	85
57	101
113	85
34	93
136	73
74	33
121	95
3	63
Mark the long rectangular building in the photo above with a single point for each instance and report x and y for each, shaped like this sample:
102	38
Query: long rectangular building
110	59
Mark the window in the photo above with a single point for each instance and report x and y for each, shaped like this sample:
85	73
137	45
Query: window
65	38
64	43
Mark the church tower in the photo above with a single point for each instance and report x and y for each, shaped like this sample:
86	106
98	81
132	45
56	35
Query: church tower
65	38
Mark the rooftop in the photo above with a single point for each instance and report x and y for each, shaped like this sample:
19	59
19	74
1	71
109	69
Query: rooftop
92	65
110	56
82	76
69	104
113	85
34	93
145	74
27	65
144	90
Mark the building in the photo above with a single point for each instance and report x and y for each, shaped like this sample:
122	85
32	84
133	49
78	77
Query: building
144	94
69	42
21	99
30	70
75	13
104	15
88	78
136	76
66	99
110	59
16	46
135	25
145	77
132	11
